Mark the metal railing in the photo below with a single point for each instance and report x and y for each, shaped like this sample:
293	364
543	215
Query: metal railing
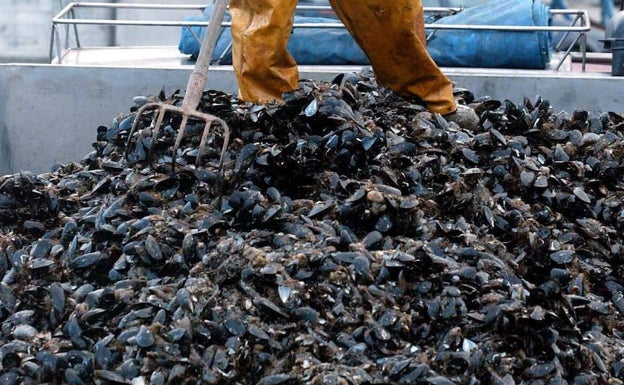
579	25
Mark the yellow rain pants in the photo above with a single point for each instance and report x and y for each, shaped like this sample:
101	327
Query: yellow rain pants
390	32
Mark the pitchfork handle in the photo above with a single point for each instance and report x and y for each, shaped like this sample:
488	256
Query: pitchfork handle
199	76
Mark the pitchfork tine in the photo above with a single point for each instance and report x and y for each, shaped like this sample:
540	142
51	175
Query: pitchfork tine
179	137
157	127
199	76
135	123
226	140
194	91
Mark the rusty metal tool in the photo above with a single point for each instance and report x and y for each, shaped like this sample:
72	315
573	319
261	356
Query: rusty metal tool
194	90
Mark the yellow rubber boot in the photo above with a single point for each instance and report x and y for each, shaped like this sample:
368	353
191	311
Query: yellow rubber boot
260	30
392	34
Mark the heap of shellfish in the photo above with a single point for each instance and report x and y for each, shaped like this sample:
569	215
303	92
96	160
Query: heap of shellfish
351	238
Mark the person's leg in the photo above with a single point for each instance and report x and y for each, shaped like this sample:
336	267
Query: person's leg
260	31
392	35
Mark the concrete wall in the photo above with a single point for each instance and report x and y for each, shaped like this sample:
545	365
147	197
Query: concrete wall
25	27
18	20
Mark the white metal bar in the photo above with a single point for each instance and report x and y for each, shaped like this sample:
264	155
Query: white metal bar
60	19
67	17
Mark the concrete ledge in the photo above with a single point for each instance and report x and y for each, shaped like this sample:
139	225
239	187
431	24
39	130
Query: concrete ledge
49	113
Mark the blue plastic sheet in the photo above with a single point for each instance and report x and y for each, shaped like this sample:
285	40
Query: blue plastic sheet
332	46
190	46
448	48
494	49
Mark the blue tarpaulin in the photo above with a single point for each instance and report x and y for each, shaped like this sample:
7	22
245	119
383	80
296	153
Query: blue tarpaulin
449	48
331	45
494	49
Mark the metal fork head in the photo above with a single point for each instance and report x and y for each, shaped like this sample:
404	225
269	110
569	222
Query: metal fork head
185	112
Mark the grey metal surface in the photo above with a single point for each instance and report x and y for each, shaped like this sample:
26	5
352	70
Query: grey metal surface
567	91
49	113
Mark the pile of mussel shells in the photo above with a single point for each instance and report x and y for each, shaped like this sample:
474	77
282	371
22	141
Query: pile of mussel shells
350	237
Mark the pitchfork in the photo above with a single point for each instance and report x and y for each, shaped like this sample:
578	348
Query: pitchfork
194	90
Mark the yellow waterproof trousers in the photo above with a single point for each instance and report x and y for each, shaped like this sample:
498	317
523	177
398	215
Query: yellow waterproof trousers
390	32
